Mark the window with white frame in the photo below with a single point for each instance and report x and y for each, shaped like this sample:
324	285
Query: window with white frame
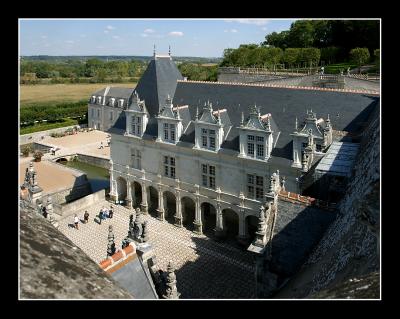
136	125
136	159
169	132
208	138
169	166
208	175
255	146
255	187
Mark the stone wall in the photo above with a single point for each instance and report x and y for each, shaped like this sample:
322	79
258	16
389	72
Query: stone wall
100	161
350	247
37	137
78	205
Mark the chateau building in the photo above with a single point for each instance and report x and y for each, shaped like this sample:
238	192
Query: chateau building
201	154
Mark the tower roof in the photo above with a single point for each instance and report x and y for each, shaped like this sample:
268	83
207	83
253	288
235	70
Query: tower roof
158	81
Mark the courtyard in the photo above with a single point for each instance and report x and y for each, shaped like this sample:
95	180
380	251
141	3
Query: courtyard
205	269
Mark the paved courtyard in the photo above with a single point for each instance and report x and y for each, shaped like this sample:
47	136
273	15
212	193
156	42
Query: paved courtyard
204	268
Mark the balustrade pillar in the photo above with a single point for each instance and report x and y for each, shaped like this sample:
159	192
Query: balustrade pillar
219	228
243	237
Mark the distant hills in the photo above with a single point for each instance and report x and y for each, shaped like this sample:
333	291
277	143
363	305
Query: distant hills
54	58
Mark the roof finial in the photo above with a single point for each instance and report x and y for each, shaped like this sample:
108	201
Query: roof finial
296	124
197	113
219	117
154	50
242	121
268	124
169	50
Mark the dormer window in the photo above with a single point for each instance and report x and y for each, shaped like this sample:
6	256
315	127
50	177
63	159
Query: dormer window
209	130
208	138
99	100
112	101
120	102
136	117
170	125
256	139
93	99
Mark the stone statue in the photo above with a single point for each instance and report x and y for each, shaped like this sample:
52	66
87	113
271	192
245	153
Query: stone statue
171	291
138	228
348	71
145	236
111	243
131	227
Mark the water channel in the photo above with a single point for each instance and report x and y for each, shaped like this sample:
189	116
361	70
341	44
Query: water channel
98	177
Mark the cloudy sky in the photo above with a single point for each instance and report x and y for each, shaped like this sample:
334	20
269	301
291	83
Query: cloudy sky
203	38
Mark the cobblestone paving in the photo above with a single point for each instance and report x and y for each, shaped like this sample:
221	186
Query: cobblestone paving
204	268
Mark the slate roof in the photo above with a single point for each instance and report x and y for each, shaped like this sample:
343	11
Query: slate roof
348	111
117	93
157	82
136	279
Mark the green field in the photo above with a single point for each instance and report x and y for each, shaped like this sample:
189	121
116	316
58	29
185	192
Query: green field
53	93
37	127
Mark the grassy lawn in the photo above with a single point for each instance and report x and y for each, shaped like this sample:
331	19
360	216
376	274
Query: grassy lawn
56	93
335	68
46	126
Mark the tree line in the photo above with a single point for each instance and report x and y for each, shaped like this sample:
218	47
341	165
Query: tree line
76	71
309	42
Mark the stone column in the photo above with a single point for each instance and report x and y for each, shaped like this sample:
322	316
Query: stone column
198	225
178	214
243	237
128	194
144	205
160	209
219	229
113	196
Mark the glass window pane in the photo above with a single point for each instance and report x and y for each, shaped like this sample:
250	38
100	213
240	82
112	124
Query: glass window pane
166	134
166	170
212	132
250	179
166	126
173	172
212	182
203	131
250	191
212	170
260	139
250	148
138	119
204	180
260	150
204	138
172	135
204	168
212	142
172	161
250	137
260	180
165	159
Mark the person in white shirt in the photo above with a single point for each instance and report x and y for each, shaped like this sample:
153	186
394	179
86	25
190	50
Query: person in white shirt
76	221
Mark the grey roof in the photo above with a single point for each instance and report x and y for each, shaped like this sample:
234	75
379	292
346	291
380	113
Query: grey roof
291	247
117	93
348	111
339	159
157	82
136	279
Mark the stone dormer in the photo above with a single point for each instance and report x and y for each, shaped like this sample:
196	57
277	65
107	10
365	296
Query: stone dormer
169	121
321	137
137	117
255	137
209	128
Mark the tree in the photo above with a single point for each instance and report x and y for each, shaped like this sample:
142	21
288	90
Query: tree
301	34
290	56
278	40
329	54
359	56
377	55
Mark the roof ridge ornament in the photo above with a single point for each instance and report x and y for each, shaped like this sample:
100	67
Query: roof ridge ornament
154	51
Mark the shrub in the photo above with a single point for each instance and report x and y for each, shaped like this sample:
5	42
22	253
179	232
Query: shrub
26	149
37	155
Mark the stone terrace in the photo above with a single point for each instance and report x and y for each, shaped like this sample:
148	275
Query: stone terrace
204	268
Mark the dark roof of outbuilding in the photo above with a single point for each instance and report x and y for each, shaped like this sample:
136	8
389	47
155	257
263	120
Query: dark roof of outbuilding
348	111
159	80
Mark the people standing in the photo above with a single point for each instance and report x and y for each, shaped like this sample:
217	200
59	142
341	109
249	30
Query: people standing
110	212
86	217
76	221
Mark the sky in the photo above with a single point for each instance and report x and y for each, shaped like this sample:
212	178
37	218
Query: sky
187	37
